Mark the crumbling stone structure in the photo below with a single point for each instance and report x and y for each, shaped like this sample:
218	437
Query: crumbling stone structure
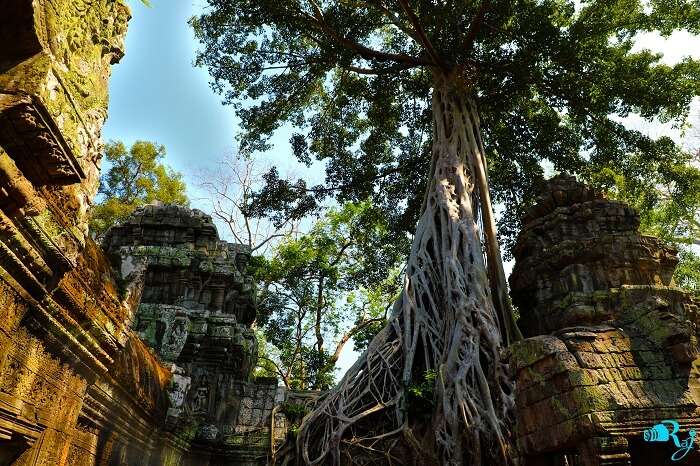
141	358
142	355
198	300
195	312
76	385
612	344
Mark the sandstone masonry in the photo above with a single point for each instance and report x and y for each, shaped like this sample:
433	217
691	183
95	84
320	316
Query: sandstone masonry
612	345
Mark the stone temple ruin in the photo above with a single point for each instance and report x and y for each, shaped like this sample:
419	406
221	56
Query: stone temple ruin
140	351
195	311
611	346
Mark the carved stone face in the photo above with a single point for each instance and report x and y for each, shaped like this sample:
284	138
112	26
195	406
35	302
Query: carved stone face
242	260
178	390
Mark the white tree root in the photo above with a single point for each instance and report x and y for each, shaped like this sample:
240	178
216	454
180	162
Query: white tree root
445	320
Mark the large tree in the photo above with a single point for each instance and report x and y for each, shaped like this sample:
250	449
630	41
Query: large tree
404	101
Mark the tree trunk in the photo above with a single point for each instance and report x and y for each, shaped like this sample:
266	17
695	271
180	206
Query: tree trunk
444	323
319	316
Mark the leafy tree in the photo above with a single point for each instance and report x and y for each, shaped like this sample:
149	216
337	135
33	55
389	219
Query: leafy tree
135	177
688	271
665	191
321	289
405	101
301	336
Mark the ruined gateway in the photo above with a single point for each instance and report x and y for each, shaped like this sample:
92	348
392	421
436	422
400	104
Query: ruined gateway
140	351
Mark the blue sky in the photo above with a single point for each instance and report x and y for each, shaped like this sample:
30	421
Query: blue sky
157	95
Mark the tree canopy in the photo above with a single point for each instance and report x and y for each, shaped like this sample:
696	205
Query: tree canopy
135	177
666	193
354	77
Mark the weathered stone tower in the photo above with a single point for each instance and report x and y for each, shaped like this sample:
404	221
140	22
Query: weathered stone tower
195	312
142	356
75	382
612	345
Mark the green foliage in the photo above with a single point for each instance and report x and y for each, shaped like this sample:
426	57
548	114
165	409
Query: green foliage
293	411
664	190
420	395
322	288
551	79
688	271
373	301
135	177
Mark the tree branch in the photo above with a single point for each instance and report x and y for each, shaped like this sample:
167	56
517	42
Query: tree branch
394	20
266	240
365	52
475	25
348	335
278	369
374	71
421	34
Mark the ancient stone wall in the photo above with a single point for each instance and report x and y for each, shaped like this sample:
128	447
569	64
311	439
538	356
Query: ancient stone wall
142	355
612	345
77	385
